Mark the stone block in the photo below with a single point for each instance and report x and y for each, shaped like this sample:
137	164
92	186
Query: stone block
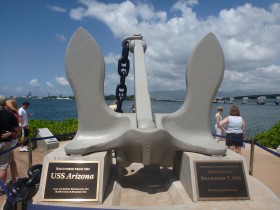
58	155
189	179
50	143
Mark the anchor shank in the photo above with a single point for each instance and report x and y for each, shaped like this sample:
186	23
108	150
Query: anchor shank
144	115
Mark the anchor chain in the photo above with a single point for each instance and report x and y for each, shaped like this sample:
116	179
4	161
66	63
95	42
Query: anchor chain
123	70
24	188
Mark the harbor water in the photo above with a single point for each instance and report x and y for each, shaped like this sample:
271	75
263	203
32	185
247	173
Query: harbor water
257	117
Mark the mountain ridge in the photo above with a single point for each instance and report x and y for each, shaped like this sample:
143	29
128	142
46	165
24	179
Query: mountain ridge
181	94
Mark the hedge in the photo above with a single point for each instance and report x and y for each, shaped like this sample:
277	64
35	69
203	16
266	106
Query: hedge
270	139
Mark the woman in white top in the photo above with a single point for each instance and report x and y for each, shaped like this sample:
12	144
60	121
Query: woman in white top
218	117
235	129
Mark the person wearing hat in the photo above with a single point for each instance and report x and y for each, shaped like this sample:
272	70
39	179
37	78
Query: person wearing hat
11	106
8	128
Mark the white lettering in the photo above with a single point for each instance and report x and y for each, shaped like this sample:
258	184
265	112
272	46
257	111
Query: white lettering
79	176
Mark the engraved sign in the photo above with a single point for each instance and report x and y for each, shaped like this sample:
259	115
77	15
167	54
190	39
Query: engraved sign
220	180
72	181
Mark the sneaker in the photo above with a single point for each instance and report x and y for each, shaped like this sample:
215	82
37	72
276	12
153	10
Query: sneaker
23	149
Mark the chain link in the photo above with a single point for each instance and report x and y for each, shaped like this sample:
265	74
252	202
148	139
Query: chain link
123	70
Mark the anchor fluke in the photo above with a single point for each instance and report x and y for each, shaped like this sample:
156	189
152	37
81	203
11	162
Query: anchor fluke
190	125
98	126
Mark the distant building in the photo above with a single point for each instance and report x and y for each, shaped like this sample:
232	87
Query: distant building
245	100
261	100
277	100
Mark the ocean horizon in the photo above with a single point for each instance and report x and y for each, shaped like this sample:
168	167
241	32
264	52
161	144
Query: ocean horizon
257	117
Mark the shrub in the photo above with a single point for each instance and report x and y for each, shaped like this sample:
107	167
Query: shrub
271	138
56	127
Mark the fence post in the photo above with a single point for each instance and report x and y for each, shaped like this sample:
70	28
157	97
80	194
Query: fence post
252	152
29	152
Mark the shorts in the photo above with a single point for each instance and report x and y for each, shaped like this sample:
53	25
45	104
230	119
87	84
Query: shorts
25	132
6	157
14	142
234	139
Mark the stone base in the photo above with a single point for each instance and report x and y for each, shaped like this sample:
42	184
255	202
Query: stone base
105	159
139	187
190	178
47	143
278	149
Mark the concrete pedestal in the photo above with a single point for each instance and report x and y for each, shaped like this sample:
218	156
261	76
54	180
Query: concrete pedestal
105	159
278	149
152	187
51	143
189	178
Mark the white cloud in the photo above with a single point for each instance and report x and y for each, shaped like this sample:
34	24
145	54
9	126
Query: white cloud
272	71
49	84
62	81
56	9
34	83
111	58
60	37
77	14
248	35
19	89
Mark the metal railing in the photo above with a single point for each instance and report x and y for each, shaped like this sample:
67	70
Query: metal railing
252	150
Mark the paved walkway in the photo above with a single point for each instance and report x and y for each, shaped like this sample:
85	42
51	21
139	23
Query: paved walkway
266	166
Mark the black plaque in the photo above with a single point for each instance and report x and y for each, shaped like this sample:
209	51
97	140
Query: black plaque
72	181
221	180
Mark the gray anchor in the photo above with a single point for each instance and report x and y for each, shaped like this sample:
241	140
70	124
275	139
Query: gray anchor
143	137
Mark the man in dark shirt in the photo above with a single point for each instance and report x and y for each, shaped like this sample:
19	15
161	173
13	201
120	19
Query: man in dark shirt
8	128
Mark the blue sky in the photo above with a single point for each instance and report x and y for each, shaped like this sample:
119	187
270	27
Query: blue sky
35	33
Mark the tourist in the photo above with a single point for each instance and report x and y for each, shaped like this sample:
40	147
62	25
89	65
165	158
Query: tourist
113	106
8	128
11	106
235	129
23	123
218	117
133	108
